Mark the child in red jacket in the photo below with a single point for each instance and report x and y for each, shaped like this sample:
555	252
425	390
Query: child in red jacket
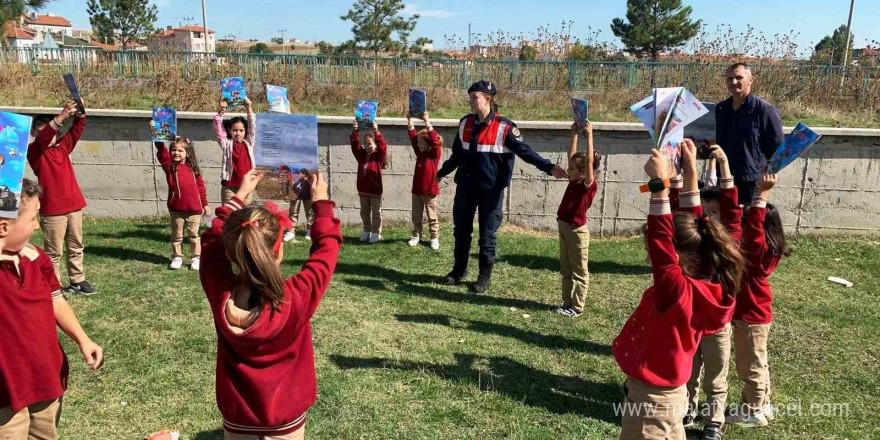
696	265
265	360
370	155
187	197
33	365
428	148
62	202
764	246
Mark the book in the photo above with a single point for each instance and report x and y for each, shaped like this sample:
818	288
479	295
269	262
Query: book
580	110
74	92
418	103
14	132
284	142
277	97
164	124
663	100
365	113
644	112
793	146
233	91
686	109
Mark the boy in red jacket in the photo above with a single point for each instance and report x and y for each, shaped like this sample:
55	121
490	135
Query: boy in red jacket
370	158
62	201
428	148
33	368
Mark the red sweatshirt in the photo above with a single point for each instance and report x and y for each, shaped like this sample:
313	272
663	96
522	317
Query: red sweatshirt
576	201
266	375
658	341
54	170
424	177
754	303
731	212
186	192
369	175
33	368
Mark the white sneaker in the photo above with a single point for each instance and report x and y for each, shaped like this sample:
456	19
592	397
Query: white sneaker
374	238
413	241
194	264
769	414
435	243
365	235
289	235
309	235
176	263
743	419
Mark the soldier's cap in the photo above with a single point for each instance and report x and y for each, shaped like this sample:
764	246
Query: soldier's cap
483	86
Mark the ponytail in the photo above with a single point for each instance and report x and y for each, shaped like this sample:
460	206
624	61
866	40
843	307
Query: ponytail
248	238
706	251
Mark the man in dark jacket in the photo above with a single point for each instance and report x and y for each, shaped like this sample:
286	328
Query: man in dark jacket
483	153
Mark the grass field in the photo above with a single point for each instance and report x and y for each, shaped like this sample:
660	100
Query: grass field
401	357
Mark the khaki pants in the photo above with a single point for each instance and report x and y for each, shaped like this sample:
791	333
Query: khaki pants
296	206
299	434
371	214
425	204
180	222
574	251
226	194
750	345
713	355
67	231
662	420
36	422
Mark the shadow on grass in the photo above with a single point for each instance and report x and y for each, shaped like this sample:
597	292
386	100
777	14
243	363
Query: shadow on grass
514	380
126	254
149	231
415	284
216	434
541	262
552	342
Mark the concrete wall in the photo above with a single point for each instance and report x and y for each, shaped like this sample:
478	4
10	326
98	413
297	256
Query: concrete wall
834	188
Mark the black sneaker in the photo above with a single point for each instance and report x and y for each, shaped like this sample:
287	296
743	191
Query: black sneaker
688	421
711	433
484	279
83	288
454	277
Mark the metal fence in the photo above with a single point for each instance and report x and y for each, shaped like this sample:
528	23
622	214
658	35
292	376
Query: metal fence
430	72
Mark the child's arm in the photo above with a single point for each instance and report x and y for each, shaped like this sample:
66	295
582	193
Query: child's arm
381	146
754	240
251	121
356	148
709	175
71	138
219	130
589	172
413	136
203	194
311	282
163	155
689	199
731	212
433	138
67	322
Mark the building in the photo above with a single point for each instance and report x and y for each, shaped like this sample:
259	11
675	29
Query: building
20	37
51	23
188	38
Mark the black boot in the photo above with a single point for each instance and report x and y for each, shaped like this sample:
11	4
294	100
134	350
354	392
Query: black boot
454	277
484	280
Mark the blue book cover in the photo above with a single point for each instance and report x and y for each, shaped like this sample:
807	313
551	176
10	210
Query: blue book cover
418	103
74	92
14	132
580	109
164	124
365	113
284	142
277	97
233	91
793	146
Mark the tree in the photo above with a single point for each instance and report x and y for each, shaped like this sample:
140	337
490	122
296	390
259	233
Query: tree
374	23
123	20
11	10
226	48
278	40
583	52
655	26
528	53
831	48
260	48
324	48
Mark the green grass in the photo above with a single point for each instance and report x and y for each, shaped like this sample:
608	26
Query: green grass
400	356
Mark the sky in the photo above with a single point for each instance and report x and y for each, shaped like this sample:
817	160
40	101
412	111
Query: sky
319	20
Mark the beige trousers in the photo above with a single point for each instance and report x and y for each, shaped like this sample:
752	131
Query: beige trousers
296	206
427	205
652	413
182	222
226	195
60	232
750	346
371	214
713	357
36	422
299	434
574	252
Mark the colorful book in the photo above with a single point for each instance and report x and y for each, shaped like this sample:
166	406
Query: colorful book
664	98
644	111
793	146
164	124
685	110
14	132
74	92
580	109
233	91
284	142
365	113
418	103
277	97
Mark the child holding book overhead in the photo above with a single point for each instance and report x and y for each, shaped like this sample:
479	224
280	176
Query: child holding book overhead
33	365
764	246
574	236
428	148
187	197
236	138
62	201
264	347
370	155
300	200
696	266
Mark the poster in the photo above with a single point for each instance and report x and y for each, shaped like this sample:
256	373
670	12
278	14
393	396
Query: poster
164	124
277	97
284	144
14	131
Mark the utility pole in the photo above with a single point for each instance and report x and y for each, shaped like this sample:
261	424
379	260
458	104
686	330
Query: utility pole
282	39
469	37
205	25
852	4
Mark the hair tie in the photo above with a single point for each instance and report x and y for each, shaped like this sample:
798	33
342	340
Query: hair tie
247	223
704	217
284	222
